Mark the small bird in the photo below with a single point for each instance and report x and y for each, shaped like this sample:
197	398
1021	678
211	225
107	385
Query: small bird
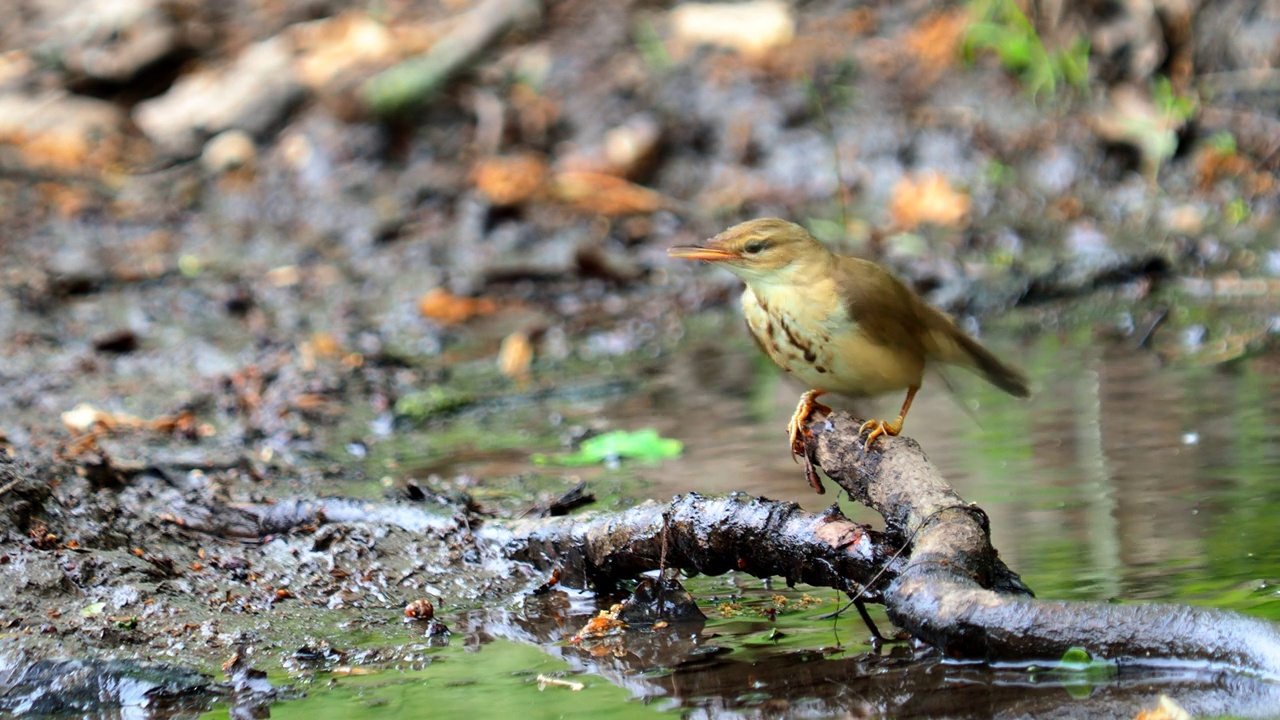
840	324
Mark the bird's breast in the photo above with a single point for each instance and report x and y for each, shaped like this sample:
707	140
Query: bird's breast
811	336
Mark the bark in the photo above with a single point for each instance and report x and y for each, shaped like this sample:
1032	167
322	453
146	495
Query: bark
712	536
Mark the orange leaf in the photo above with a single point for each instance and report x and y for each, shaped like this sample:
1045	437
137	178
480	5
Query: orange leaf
448	309
512	179
934	42
929	200
594	192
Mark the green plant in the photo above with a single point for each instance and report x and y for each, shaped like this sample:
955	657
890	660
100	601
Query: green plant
1236	212
650	47
1175	108
1159	133
1223	143
1000	27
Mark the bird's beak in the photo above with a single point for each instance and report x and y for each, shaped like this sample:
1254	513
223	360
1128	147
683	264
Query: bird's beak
694	252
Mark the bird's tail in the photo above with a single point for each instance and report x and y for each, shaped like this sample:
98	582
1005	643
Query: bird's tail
951	345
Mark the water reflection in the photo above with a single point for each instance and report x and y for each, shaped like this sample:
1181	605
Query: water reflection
683	668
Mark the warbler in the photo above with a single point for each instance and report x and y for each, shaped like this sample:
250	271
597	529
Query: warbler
840	324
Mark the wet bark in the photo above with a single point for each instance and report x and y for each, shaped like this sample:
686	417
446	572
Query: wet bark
697	534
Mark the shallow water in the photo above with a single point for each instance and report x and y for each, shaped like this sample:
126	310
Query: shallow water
1123	477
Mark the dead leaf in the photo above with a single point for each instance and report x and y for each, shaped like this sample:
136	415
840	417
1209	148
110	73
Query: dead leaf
515	356
512	179
934	42
320	345
1214	164
183	424
448	309
316	404
604	625
84	418
87	423
283	276
593	192
1166	709
927	200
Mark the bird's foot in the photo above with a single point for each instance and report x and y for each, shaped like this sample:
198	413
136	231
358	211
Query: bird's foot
795	429
876	428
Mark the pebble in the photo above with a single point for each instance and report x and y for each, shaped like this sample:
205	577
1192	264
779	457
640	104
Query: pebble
229	150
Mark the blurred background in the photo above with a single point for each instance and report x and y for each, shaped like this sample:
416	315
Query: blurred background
364	248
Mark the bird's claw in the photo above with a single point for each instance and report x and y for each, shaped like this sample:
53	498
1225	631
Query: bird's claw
878	428
796	428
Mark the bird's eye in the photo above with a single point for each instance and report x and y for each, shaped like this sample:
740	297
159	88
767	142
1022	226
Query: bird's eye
753	247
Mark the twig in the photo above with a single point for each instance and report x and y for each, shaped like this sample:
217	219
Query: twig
544	681
9	486
401	87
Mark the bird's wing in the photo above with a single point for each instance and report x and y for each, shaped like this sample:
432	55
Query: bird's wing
887	311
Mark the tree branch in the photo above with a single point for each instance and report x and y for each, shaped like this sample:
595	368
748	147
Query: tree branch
954	594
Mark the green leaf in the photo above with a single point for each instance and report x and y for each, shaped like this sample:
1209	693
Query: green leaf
93	610
1076	656
1079	663
645	445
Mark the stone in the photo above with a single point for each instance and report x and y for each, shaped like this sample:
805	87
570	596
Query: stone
112	40
254	94
229	150
56	131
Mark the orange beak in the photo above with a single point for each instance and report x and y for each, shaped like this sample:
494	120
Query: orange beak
694	252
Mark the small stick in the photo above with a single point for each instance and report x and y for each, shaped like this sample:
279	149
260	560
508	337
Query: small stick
544	681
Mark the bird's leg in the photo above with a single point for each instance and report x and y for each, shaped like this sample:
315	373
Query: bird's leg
880	427
795	428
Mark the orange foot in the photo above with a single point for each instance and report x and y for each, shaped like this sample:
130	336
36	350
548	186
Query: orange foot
795	429
878	428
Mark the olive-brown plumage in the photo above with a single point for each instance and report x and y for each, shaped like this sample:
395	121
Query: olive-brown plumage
840	324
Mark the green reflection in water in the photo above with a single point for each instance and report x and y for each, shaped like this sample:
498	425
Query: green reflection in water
499	680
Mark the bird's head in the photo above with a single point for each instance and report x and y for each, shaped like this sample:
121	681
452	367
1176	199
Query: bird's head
758	250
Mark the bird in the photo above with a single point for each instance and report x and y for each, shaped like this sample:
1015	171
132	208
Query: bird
840	324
